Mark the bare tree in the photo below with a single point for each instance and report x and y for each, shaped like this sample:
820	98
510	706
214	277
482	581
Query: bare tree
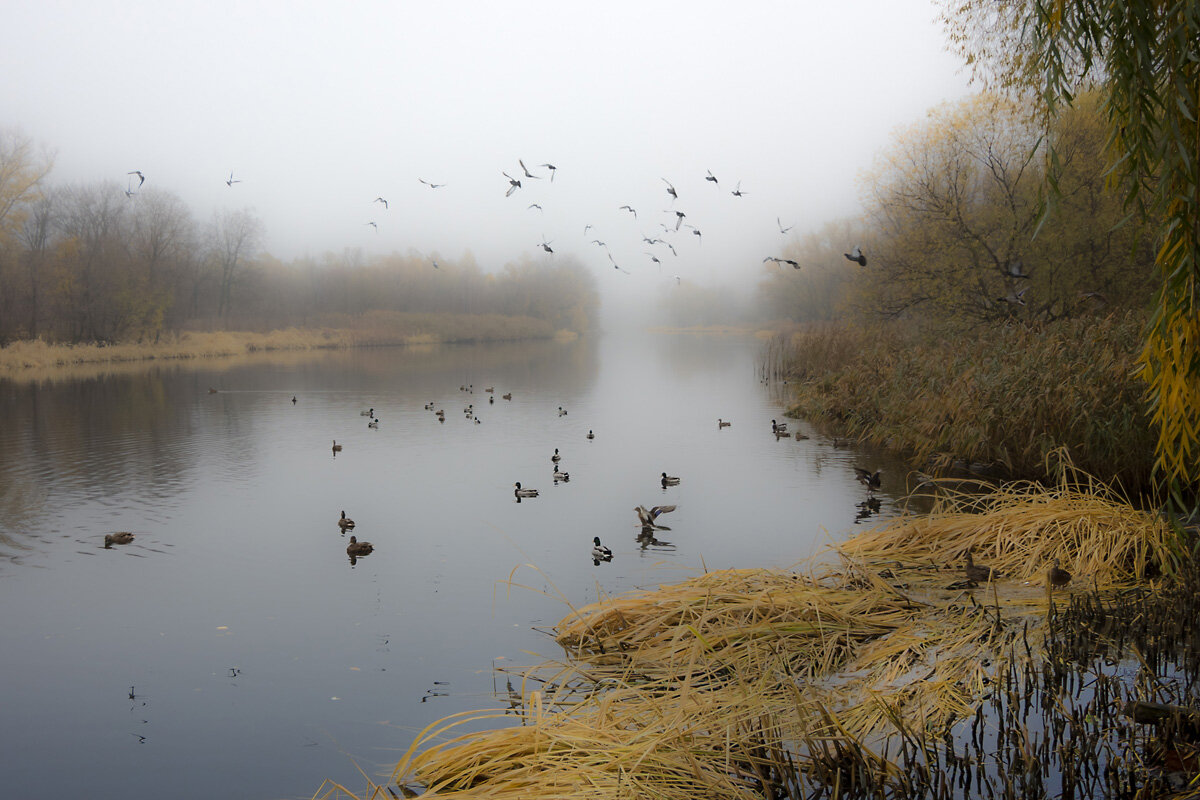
233	240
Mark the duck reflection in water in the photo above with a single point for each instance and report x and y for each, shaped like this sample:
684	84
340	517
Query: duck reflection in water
647	540
867	508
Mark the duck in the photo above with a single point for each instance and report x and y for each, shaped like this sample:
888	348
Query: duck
120	537
979	573
669	480
337	448
293	399
869	479
370	412
561	476
357	548
562	412
374	423
599	551
1057	576
556	457
519	492
345	523
491	400
648	517
722	423
429	406
507	396
777	427
490	389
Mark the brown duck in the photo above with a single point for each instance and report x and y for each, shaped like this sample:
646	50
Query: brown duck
979	573
1057	576
120	537
357	548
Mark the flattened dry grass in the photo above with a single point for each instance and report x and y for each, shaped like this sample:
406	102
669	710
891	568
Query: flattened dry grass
735	683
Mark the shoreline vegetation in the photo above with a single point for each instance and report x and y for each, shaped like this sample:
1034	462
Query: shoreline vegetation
876	670
376	329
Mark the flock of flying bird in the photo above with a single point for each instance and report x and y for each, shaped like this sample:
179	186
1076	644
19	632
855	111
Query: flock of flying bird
514	184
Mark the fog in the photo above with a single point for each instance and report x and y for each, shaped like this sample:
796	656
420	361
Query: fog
318	109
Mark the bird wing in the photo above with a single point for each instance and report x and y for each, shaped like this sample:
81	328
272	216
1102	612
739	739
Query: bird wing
659	510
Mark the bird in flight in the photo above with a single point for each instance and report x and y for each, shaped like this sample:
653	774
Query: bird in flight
431	185
602	244
434	262
654	258
772	258
373	225
586	228
696	231
528	174
679	219
856	255
790	263
781	228
142	178
738	191
616	265
1015	298
231	181
552	168
630	209
712	178
533	205
381	200
546	245
129	192
668	244
514	184
1017	270
671	190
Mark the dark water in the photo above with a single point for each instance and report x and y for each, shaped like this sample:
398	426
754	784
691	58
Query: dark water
232	650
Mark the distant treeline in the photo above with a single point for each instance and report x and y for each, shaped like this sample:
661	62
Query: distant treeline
106	263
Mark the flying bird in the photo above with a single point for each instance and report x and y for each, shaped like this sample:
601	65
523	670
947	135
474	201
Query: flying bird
381	200
781	228
630	209
602	244
231	181
616	265
431	185
142	178
654	258
373	225
856	255
434	262
679	219
528	174
1016	270
712	178
586	228
552	169
867	478
668	244
671	190
514	184
790	263
1015	298
649	517
738	191
533	205
772	258
546	246
695	231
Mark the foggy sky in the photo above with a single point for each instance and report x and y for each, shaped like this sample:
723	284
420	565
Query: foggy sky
318	108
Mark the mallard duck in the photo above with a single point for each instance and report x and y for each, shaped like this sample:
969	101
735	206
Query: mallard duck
507	396
722	423
357	548
556	457
519	492
669	480
490	389
429	406
337	448
561	476
977	572
562	412
293	399
1057	576
120	537
492	400
591	435
345	523
370	412
599	551
647	518
373	423
778	427
867	478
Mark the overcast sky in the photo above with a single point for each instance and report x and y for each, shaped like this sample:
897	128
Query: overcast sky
318	108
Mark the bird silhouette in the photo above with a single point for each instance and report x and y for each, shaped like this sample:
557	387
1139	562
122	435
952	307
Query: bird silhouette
856	255
546	246
869	479
381	200
654	258
790	263
1014	297
671	190
231	181
552	169
630	209
649	517
513	184
679	215
431	185
738	191
373	225
1016	270
597	241
533	205
525	169
781	228
141	177
712	178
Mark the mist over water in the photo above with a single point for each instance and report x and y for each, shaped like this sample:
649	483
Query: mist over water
234	650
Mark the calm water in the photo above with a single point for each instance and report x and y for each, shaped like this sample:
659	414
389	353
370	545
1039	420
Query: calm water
233	650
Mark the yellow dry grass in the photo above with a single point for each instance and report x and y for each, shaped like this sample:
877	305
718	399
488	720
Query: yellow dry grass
702	688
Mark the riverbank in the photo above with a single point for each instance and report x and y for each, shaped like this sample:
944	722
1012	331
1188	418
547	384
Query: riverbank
368	330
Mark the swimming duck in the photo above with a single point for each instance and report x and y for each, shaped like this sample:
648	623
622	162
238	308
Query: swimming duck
556	457
357	548
507	396
647	518
777	427
368	413
591	435
561	476
562	412
337	448
293	399
429	406
979	573
373	423
345	523
519	492
490	389
599	551
867	478
120	537
669	480
722	423
1057	576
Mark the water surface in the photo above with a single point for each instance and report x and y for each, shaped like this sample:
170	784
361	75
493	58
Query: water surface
234	650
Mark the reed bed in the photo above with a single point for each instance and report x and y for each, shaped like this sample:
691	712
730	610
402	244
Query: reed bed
878	673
